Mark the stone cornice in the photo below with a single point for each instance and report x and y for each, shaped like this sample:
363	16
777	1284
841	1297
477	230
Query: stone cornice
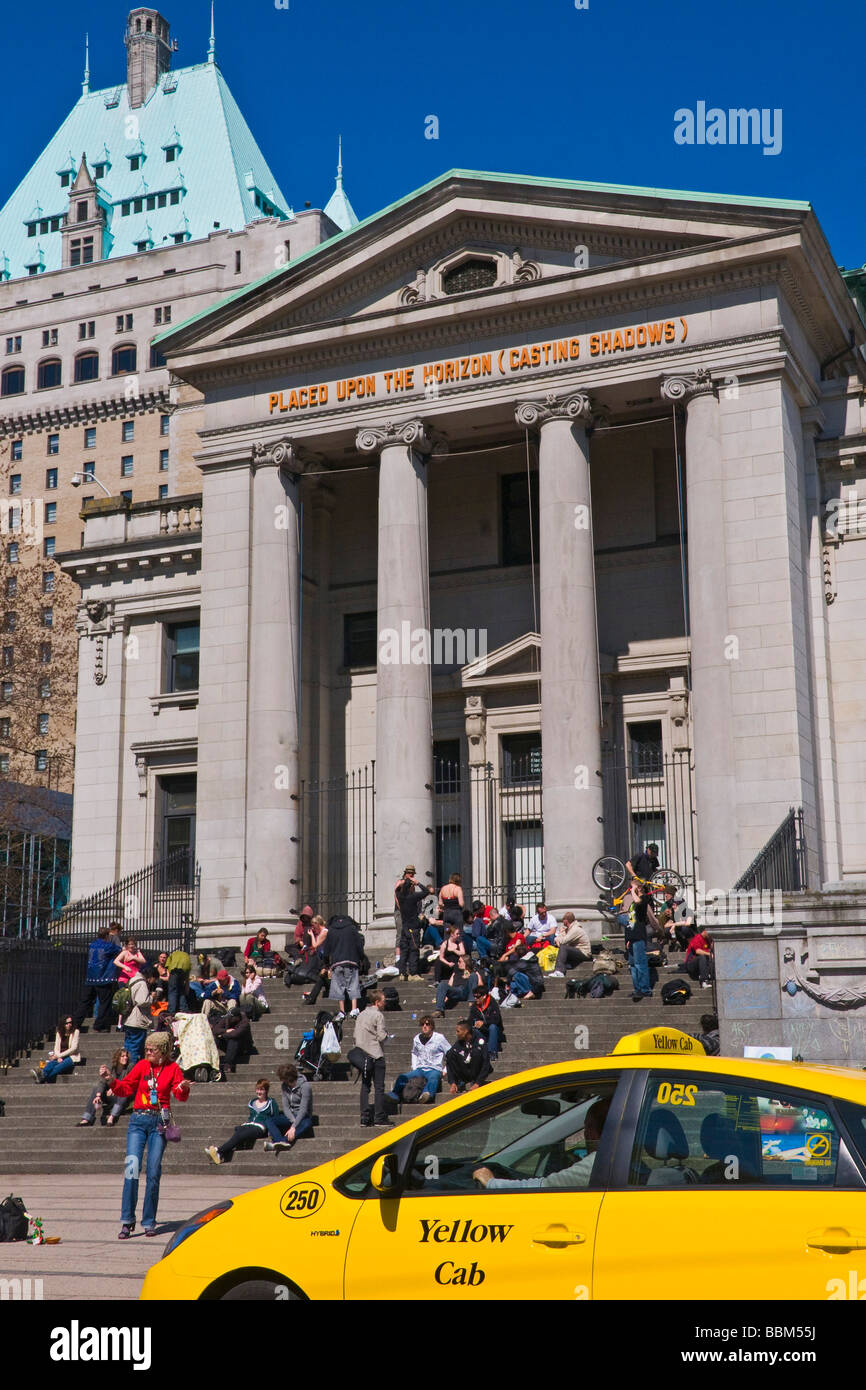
129	559
422	331
64	416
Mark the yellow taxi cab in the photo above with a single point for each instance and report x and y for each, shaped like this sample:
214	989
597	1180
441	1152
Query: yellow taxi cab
656	1171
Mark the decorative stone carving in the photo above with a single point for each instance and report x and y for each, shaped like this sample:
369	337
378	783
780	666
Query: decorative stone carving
829	571
524	272
807	978
416	433
684	387
416	293
96	621
679	700
284	453
475	715
575	406
141	769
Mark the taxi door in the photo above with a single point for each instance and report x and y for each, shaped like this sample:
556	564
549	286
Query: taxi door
448	1235
733	1189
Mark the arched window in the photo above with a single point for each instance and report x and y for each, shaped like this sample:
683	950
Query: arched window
87	366
124	360
469	275
12	382
49	373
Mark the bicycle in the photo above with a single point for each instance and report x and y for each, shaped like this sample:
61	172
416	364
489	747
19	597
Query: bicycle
610	875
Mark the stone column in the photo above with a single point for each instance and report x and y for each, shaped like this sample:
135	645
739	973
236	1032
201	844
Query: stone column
404	704
710	638
272	824
571	714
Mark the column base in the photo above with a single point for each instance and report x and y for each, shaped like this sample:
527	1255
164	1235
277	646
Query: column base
595	923
215	934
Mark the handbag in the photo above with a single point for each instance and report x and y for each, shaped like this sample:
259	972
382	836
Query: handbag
167	1127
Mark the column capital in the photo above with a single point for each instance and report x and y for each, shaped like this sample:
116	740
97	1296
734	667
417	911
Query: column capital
576	406
284	453
416	434
685	386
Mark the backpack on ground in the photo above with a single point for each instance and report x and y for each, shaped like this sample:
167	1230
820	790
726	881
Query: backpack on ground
392	1000
226	956
121	1001
602	985
676	992
413	1090
14	1224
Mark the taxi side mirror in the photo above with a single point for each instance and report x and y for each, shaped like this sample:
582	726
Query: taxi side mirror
385	1175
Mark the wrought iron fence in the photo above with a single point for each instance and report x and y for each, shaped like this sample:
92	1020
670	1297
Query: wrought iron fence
649	796
158	905
38	982
488	828
34	882
782	862
337	817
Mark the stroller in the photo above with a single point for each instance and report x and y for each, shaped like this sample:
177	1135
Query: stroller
199	1059
319	1048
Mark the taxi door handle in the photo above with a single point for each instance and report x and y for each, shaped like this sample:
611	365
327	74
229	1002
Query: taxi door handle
835	1238
557	1235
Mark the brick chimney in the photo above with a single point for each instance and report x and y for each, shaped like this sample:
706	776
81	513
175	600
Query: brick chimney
148	53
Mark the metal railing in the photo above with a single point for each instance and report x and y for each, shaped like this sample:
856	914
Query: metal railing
650	797
38	982
337	816
782	862
488	828
158	905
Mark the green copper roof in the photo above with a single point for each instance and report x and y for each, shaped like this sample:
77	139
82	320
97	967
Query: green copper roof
338	207
533	181
218	173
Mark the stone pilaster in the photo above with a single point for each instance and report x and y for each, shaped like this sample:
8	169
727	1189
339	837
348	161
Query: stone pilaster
571	714
404	706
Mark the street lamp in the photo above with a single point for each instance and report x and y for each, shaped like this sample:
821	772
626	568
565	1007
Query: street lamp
78	478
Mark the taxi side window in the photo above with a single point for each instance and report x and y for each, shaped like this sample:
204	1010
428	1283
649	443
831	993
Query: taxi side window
705	1132
540	1141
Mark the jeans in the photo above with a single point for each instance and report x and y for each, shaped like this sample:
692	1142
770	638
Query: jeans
432	936
302	1127
482	946
142	1134
378	1070
177	988
446	994
133	1041
493	1041
519	984
637	962
432	1080
117	1107
52	1070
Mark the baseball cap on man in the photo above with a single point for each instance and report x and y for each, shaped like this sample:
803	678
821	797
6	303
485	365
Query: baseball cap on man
222	976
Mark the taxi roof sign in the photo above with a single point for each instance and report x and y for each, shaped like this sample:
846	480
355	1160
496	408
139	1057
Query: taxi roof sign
667	1042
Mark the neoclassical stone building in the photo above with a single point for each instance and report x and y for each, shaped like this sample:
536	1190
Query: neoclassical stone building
527	530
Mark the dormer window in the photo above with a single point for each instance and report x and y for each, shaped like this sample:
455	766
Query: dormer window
65	179
99	171
82	211
170	154
134	162
475	274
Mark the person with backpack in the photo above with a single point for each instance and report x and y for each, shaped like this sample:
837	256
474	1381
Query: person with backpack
343	952
429	1050
100	981
139	1018
640	924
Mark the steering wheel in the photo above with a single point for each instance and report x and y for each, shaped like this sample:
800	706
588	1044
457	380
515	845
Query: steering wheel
499	1170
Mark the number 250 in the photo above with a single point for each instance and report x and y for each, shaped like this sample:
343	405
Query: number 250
676	1095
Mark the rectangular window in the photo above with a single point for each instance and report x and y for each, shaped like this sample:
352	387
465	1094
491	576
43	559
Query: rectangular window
12	553
87	329
162	200
237	263
5	728
163	460
45	653
174	197
127	496
182	650
99	171
648	827
163	491
123	323
4	762
53	445
42	723
126	466
50	479
45	689
10	622
519	517
446	773
89	471
359	640
6	690
13	344
151	203
178	798
15	484
157	358
49	337
134	163
48	617
48	545
11	585
14	518
521	758
165	424
81	212
48	582
17	450
138	205
125	209
40	758
127	431
51	513
171	154
90	437
8	657
645	749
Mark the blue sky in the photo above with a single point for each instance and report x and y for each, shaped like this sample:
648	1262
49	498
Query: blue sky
539	88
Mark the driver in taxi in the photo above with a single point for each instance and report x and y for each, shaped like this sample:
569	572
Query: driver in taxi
578	1175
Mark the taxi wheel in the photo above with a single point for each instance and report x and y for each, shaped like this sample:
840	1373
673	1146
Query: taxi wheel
259	1291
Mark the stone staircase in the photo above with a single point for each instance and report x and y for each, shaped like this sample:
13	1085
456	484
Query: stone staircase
39	1132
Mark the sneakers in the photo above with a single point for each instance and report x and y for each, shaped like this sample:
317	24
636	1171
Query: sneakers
636	998
511	1002
340	1015
213	1154
126	1231
35	1074
556	975
384	1123
353	1013
706	985
426	1098
276	1146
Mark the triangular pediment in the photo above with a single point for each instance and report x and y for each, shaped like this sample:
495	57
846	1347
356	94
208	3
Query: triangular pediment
516	662
469	239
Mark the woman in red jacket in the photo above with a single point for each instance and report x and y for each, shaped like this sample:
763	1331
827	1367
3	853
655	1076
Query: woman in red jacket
152	1082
